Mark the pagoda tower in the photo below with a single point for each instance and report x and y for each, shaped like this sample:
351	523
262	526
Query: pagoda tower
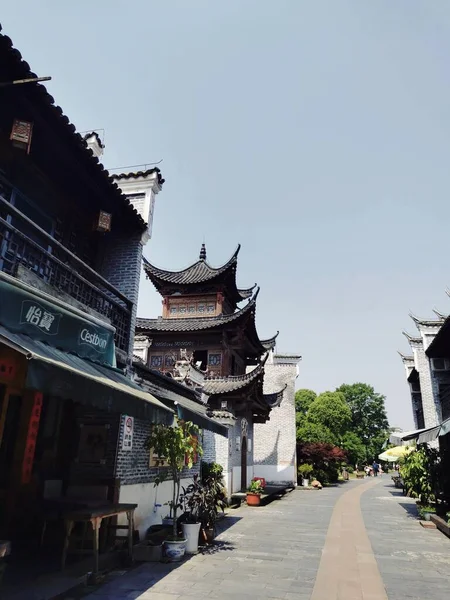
201	314
204	317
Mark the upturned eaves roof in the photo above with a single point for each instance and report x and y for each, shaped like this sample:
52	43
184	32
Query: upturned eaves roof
199	272
194	324
226	385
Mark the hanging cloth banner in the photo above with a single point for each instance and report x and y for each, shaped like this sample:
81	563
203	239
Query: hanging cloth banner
23	312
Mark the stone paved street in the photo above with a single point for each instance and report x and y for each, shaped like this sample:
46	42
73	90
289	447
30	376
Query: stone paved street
275	552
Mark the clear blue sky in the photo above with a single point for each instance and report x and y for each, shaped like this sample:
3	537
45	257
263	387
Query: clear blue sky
316	134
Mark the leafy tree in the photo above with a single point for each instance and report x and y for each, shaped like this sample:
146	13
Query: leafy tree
354	448
313	432
303	400
330	410
180	447
369	419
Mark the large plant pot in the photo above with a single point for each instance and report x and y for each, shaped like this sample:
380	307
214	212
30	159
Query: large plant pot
305	482
174	549
253	499
190	532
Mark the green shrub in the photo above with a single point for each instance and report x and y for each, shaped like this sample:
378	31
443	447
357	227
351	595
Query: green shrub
305	470
422	510
419	471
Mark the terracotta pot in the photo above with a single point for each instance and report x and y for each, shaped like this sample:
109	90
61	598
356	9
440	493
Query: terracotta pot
253	499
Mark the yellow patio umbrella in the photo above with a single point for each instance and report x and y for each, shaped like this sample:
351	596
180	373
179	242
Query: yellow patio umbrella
393	454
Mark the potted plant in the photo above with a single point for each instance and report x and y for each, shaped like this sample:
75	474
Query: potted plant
254	492
179	446
203	500
192	500
212	479
305	472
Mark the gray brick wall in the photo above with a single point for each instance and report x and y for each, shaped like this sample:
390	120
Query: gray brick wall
121	265
275	441
133	465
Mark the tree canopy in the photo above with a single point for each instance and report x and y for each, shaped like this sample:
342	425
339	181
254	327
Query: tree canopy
369	418
303	400
332	411
352	418
316	433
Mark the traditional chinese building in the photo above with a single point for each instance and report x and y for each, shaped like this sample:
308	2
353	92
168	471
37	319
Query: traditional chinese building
70	260
210	319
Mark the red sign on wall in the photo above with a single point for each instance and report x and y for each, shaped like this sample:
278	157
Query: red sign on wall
30	446
8	369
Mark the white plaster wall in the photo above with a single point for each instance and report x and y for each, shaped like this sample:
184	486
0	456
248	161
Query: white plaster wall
236	478
276	473
146	495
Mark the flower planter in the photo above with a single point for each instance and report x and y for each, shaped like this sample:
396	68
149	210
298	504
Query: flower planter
174	550
253	499
191	532
305	482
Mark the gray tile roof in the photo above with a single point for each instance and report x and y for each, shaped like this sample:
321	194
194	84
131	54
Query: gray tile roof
225	385
199	272
269	344
194	324
12	62
137	174
275	398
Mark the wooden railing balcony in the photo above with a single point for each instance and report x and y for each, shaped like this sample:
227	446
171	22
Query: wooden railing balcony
23	243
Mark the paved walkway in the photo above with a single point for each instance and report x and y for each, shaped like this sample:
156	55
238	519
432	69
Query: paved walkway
356	541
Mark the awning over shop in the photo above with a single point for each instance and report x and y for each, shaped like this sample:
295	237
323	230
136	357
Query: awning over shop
411	435
422	435
68	376
429	435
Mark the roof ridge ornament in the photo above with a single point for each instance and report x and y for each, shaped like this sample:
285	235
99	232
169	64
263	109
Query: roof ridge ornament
202	255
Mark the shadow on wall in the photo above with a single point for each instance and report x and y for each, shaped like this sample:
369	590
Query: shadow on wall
272	460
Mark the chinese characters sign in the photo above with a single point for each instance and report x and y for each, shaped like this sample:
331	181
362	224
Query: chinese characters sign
128	427
23	312
34	314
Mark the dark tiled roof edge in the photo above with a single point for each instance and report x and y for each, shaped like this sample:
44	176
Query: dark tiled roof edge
197	272
137	174
193	324
23	71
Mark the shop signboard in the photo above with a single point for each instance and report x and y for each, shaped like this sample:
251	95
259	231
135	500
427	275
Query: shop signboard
23	312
